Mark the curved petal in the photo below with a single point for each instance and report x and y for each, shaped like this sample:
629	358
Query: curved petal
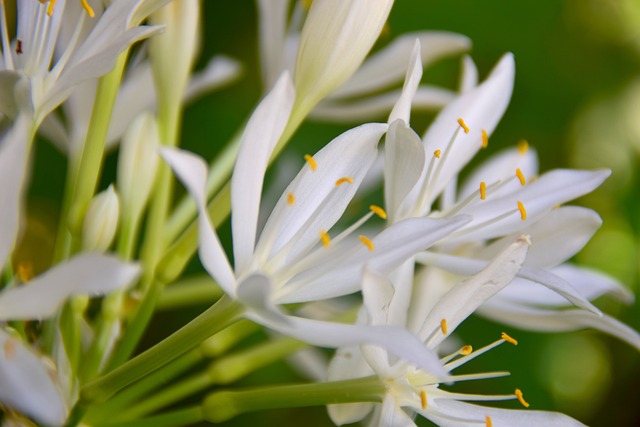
272	16
90	273
260	137
402	108
27	384
469	75
191	170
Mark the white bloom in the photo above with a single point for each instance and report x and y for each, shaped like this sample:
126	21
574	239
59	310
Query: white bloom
101	221
295	260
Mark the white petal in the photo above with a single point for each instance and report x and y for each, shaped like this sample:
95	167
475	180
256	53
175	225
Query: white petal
192	171
272	17
220	71
255	292
499	417
386	67
404	162
465	297
90	273
13	166
402	108
377	293
392	415
260	137
27	384
469	75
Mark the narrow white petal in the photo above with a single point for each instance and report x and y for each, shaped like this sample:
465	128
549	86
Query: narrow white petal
272	20
192	171
465	297
86	274
377	293
469	75
392	415
27	384
402	108
260	137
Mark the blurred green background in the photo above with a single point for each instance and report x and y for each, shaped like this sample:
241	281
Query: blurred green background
576	100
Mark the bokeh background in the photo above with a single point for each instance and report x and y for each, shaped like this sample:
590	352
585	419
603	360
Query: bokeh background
576	100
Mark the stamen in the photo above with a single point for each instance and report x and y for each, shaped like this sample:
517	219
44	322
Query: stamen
343	180
488	422
378	211
291	199
463	125
523	147
520	176
87	8
461	361
485	139
52	4
443	326
367	242
325	239
18	47
523	211
521	399
483	190
508	339
25	271
423	399
437	154
467	349
312	162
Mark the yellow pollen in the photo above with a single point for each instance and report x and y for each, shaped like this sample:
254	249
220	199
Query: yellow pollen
437	153
483	190
523	146
343	180
463	125
25	271
523	211
467	349
520	176
521	399
485	139
87	8
423	399
443	326
488	421
325	239
508	339
291	199
367	242
52	4
312	162
378	211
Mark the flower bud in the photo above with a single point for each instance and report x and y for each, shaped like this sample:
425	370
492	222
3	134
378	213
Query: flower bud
101	221
137	164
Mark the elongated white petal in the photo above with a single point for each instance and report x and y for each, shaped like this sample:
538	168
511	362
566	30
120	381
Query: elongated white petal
386	66
392	247
13	165
536	319
272	25
465	297
404	162
27	384
469	75
427	98
402	108
255	292
86	274
191	170
377	293
260	138
319	200
450	411
392	415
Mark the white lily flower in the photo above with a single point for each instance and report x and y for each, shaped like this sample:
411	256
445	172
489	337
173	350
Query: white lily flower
410	390
295	259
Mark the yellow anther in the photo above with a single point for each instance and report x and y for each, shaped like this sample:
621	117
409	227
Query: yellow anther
25	271
87	8
437	153
343	180
508	339
483	190
312	162
325	239
485	139
367	242
521	399
443	326
52	5
18	47
523	146
463	125
423	399
488	421
521	177
378	211
467	349
523	211
291	199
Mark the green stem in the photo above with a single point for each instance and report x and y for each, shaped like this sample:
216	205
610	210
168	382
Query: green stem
179	417
224	405
214	319
196	290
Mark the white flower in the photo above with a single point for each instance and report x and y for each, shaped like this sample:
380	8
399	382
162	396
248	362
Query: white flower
295	260
410	390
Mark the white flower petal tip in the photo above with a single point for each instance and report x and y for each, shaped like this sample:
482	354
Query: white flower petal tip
524	238
402	108
87	274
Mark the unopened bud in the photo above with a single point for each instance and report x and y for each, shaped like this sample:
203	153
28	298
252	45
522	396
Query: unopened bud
101	221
